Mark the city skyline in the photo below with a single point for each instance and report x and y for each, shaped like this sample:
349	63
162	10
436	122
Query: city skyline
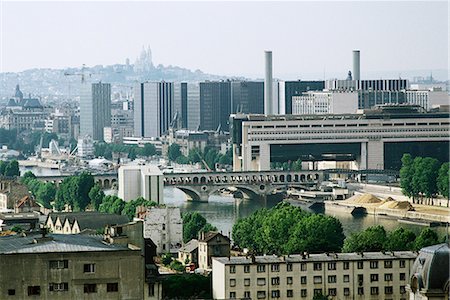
308	39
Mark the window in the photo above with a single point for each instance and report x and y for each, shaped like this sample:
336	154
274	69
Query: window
233	295
374	264
247	282
402	289
373	277
276	294
346	292
332	279
58	287
332	292
346	265
89	268
247	295
232	269
59	264
163	226
275	280
360	291
275	267
290	293
388	264
151	290
303	267
360	278
303	280
317	266
34	290
402	276
11	292
388	277
317	292
346	278
360	264
261	294
261	268
289	267
317	279
232	282
304	292
289	280
388	290
402	263
261	281
246	269
374	290
90	288
332	266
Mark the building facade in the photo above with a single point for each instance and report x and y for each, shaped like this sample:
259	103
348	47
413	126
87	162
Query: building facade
145	181
95	109
215	105
212	244
247	97
325	102
369	275
193	106
180	104
153	108
289	89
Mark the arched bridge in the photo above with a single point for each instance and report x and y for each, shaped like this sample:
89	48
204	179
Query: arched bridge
106	181
252	184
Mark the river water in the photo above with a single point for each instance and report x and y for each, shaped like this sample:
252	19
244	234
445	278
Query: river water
223	211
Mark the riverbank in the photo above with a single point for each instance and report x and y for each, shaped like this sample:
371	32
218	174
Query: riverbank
402	210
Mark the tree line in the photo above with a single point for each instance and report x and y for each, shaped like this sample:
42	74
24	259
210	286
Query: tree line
211	156
106	150
287	166
423	178
286	229
10	168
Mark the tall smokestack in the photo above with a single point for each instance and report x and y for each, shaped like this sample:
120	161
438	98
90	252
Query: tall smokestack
268	84
356	65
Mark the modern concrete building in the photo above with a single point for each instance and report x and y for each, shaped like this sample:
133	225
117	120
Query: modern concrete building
370	275
289	89
430	276
325	102
374	139
247	97
212	244
164	226
69	267
141	181
193	106
215	105
180	104
95	109
153	108
85	147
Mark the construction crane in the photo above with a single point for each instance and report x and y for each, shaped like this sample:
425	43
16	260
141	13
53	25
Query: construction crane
82	74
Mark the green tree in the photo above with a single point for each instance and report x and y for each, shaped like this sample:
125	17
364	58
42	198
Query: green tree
297	165
430	169
183	160
194	156
406	175
187	286
46	194
371	239
112	204
400	240
130	207
193	224
84	182
12	169
96	195
416	182
177	266
174	151
3	167
149	150
443	180
427	237
166	259
27	176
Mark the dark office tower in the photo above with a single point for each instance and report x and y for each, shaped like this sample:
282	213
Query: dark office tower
95	109
247	97
215	105
153	108
297	88
180	100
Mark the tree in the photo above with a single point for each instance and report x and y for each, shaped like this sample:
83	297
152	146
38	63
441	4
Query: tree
96	195
430	169
46	194
12	169
182	160
427	237
406	175
2	167
193	224
177	266
149	150
187	286
297	165
174	151
27	176
370	240
84	182
443	180
400	240
112	204
166	259
194	156
417	178
130	207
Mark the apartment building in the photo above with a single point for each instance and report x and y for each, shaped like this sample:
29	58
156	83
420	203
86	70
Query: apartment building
371	275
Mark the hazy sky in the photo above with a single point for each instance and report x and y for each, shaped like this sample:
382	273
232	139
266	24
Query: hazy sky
228	38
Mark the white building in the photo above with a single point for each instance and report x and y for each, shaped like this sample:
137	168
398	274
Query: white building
325	102
164	226
85	147
427	98
370	275
145	181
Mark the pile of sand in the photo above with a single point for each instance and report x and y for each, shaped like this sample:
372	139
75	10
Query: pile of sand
392	204
364	199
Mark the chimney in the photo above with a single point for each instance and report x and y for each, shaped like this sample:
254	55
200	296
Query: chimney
356	65
268	84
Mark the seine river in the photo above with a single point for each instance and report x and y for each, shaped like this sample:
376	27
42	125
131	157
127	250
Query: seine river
224	211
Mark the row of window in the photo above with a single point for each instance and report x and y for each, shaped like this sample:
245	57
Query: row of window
351	125
388	290
64	287
317	266
428	129
326	137
318	279
64	264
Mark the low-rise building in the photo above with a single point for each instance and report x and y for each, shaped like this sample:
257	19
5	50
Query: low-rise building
26	221
212	244
73	223
188	254
11	192
371	275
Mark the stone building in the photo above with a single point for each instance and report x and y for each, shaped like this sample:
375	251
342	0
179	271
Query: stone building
11	192
212	244
189	253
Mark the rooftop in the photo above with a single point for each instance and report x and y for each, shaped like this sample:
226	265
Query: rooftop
90	219
189	246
